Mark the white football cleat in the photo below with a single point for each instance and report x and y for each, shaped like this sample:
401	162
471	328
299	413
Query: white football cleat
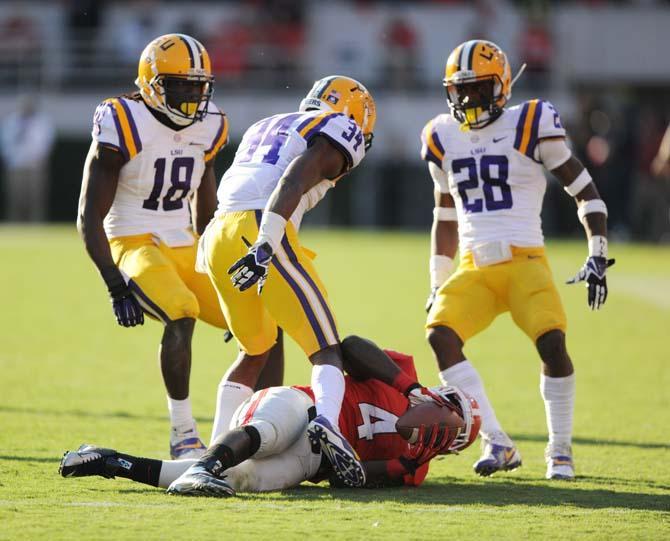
559	462
186	443
498	454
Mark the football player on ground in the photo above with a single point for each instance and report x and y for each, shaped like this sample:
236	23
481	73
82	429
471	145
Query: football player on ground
487	162
150	166
269	448
283	167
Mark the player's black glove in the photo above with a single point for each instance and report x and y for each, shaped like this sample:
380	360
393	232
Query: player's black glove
431	298
127	310
593	273
252	268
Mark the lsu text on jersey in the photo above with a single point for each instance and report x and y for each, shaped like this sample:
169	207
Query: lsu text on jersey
149	222
495	176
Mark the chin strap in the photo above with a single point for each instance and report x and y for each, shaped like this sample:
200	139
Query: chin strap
518	74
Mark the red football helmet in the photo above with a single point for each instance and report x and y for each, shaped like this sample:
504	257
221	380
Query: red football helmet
468	408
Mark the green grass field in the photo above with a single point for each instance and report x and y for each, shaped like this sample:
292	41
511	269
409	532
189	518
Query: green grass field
69	374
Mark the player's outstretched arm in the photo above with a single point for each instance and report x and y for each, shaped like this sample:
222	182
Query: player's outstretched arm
322	160
443	235
592	212
204	199
363	359
98	187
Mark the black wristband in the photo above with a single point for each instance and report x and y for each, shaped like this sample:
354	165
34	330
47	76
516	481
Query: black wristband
114	281
411	388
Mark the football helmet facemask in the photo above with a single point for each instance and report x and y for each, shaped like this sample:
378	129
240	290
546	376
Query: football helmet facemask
175	78
468	408
478	81
344	95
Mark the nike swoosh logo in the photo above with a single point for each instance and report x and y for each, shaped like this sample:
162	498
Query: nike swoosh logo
499	139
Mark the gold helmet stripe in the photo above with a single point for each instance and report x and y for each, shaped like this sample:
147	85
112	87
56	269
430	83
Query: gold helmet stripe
191	54
458	56
467	52
324	86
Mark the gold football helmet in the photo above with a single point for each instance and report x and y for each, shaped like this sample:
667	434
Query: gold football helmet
478	80
175	78
344	95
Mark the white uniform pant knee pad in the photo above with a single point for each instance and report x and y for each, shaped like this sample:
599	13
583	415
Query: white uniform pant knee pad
280	414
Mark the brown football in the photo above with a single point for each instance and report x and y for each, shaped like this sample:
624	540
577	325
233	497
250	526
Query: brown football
428	414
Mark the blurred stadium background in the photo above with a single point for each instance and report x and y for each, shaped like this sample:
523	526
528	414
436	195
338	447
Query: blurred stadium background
602	63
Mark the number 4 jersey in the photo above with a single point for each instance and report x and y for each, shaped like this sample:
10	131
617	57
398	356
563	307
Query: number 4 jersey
163	167
271	144
494	174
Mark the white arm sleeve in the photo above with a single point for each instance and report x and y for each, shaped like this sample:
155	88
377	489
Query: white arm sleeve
554	153
440	178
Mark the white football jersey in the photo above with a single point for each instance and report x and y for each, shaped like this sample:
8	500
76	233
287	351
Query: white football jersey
271	144
495	174
163	166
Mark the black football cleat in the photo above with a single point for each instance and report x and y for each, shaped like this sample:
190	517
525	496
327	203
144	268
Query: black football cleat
90	460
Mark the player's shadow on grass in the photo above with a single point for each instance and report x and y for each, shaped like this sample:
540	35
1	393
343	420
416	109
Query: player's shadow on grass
454	492
136	417
92	414
542	438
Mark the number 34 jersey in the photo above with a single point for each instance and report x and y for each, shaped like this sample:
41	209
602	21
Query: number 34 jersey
271	144
495	174
163	167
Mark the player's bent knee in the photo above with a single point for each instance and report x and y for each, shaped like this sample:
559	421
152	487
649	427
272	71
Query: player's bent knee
279	414
554	354
443	337
178	333
551	345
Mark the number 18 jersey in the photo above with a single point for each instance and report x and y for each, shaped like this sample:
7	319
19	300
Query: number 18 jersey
163	167
268	148
495	174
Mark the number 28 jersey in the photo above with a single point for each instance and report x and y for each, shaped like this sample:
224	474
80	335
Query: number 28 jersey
163	167
268	148
495	174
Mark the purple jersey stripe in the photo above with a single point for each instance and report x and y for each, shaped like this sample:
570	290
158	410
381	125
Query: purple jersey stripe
218	134
519	126
530	151
154	309
430	156
303	124
293	258
437	143
311	133
119	131
133	126
307	309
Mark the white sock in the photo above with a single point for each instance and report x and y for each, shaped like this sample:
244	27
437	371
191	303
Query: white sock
464	376
328	388
181	415
171	469
559	404
229	396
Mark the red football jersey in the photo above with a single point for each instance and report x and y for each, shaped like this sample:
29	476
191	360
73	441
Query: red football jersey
369	412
